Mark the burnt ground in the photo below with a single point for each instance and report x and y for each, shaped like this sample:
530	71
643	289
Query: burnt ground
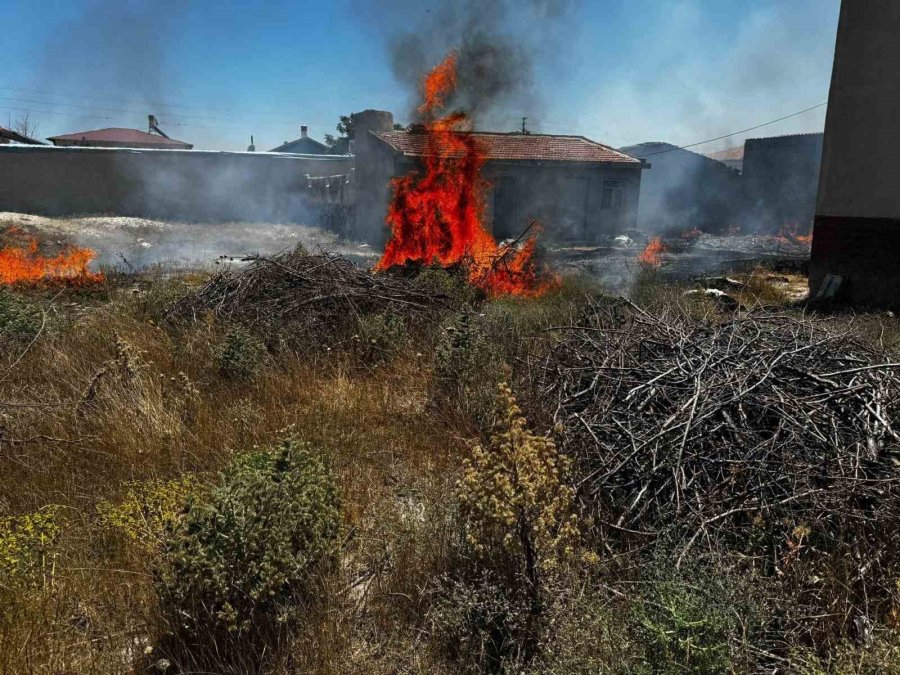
133	243
615	264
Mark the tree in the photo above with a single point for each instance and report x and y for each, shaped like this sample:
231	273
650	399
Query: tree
340	145
24	126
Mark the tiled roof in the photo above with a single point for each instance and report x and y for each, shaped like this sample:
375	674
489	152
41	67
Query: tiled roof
513	147
735	153
126	137
11	135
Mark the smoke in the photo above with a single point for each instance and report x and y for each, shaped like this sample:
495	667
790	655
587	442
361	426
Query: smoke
114	52
505	51
775	61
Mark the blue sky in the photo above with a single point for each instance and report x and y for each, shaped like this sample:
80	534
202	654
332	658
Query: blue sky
215	72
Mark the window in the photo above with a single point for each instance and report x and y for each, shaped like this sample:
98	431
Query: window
613	196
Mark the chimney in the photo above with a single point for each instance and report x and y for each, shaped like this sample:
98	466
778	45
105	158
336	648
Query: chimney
303	130
251	147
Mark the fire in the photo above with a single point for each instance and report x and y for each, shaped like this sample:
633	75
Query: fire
652	253
24	264
789	232
438	215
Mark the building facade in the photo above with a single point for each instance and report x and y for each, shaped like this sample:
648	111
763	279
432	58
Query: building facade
781	176
577	189
856	237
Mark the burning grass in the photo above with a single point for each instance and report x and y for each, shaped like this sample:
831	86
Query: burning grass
25	264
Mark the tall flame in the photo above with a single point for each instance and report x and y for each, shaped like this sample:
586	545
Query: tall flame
24	264
438	215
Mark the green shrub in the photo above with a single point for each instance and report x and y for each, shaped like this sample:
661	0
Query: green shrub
148	510
19	320
699	619
240	354
467	366
28	548
380	336
435	280
243	555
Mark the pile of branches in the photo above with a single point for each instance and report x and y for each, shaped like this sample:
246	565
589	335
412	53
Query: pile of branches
307	296
719	432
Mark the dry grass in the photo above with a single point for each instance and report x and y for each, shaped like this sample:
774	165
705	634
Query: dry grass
112	399
107	400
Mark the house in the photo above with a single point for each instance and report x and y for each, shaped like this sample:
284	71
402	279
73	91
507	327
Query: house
780	176
579	190
856	236
733	158
683	190
119	138
10	136
303	145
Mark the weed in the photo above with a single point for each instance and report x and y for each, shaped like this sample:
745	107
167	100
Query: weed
242	555
240	354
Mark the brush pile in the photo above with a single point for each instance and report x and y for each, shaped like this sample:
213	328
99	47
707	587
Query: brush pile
303	296
736	432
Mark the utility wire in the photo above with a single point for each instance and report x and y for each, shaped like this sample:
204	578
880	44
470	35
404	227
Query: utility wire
735	133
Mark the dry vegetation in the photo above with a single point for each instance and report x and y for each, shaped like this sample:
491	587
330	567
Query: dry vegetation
473	536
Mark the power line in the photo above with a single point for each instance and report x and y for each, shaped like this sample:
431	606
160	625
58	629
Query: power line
735	133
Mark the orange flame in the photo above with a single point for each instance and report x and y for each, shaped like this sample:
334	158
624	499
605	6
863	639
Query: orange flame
652	253
789	232
438	215
23	264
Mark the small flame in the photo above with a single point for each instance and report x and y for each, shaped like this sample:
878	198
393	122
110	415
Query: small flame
24	264
438	215
651	256
789	232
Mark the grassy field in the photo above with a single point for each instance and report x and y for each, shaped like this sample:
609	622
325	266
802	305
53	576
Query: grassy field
117	426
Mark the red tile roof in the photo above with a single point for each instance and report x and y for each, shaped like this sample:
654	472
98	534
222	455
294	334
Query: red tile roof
728	154
513	147
123	138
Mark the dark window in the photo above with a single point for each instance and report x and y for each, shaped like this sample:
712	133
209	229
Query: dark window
505	203
613	196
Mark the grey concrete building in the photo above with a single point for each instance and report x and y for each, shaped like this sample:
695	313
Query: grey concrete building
856	237
682	190
780	177
578	189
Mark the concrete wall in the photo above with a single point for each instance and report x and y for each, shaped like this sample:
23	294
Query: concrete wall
781	176
374	167
565	198
170	184
857	224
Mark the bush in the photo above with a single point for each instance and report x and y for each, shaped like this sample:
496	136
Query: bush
482	626
467	367
19	320
514	494
240	354
28	548
148	510
242	556
699	619
380	336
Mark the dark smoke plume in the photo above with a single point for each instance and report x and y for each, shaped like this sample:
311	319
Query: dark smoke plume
503	48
